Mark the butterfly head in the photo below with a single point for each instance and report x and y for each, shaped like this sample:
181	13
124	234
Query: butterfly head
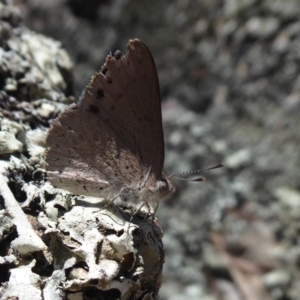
158	191
165	187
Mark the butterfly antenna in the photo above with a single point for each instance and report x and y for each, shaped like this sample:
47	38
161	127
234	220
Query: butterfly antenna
197	179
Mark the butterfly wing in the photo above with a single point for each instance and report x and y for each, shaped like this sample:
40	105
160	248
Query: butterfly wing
112	139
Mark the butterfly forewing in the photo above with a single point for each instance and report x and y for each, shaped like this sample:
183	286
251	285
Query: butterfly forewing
112	139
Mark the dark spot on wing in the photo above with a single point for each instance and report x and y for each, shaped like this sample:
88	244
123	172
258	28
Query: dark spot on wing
118	54
99	93
127	167
94	109
104	70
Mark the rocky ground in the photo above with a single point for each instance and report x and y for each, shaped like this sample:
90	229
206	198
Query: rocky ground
229	76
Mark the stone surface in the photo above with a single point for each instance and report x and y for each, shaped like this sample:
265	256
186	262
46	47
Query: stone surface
241	87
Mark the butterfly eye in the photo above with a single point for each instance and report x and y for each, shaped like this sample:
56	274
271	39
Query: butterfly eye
163	186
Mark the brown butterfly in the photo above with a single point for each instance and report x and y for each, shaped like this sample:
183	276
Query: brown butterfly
111	142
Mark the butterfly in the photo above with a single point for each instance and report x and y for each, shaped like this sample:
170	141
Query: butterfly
111	142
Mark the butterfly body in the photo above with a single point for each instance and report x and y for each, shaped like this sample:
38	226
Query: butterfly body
111	143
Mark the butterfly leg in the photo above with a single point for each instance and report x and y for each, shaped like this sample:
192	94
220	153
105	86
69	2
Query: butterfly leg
134	214
110	202
154	212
